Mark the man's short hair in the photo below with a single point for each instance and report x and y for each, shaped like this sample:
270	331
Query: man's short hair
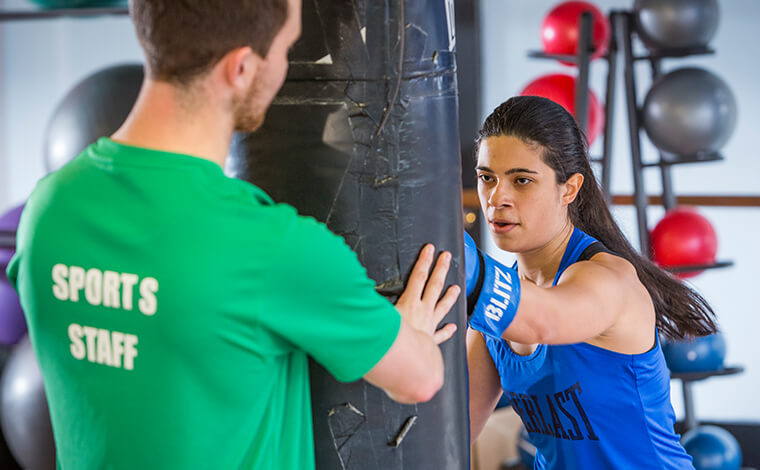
185	38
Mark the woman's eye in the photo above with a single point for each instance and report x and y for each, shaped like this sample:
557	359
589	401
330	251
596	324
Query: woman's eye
485	178
522	181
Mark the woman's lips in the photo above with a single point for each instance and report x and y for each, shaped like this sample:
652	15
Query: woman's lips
501	226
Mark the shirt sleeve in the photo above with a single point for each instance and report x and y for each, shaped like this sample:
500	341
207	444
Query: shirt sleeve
321	300
12	271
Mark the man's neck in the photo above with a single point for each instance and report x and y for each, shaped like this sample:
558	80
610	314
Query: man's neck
163	119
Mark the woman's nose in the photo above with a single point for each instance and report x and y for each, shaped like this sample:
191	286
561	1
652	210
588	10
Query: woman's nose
500	195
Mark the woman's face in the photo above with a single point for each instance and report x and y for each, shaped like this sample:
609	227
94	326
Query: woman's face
521	200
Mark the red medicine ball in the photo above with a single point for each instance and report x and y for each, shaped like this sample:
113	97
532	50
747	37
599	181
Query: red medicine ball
683	238
560	88
560	31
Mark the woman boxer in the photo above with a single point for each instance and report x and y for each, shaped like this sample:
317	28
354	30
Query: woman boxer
571	332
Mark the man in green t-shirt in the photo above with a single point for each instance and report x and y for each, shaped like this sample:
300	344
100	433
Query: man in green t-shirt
172	308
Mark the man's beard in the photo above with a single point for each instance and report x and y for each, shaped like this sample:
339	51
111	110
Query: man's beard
248	115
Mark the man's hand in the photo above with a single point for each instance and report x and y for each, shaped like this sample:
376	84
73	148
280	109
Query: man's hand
412	370
421	304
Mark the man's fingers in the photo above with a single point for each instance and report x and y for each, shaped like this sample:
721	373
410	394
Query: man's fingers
419	274
437	279
446	332
443	307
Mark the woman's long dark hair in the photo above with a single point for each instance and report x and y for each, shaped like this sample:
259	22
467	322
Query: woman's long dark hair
680	310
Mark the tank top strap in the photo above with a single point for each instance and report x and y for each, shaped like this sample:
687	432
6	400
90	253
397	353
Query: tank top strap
578	243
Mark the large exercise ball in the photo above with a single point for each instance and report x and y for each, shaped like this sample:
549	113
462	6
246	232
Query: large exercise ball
683	237
9	222
7	462
95	107
700	354
560	88
689	111
712	448
561	28
12	321
676	24
24	410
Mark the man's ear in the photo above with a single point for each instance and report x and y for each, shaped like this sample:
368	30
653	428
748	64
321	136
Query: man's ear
240	66
571	187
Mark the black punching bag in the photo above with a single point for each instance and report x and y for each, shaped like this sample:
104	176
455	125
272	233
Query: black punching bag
364	137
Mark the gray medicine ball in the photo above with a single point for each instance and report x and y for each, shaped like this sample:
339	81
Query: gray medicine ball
676	24
689	111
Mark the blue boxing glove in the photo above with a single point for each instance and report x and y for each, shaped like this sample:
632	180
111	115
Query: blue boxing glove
493	291
471	265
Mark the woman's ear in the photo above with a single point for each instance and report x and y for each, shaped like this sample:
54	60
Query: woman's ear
571	187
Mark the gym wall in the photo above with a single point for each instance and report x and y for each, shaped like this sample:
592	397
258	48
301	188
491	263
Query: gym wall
4	190
511	28
41	60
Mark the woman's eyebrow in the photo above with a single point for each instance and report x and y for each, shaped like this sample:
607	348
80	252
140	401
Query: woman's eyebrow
508	172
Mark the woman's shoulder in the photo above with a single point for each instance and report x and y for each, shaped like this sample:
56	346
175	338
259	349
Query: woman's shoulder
614	262
603	266
632	331
607	275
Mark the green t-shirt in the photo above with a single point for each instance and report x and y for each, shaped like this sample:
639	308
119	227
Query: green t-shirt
172	310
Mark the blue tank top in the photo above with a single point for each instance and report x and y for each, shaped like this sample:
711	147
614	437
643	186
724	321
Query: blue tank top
586	407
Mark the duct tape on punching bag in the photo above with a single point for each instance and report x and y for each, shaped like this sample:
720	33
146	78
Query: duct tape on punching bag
363	136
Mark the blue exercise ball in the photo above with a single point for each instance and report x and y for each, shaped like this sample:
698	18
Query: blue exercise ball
689	111
712	448
676	24
701	354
